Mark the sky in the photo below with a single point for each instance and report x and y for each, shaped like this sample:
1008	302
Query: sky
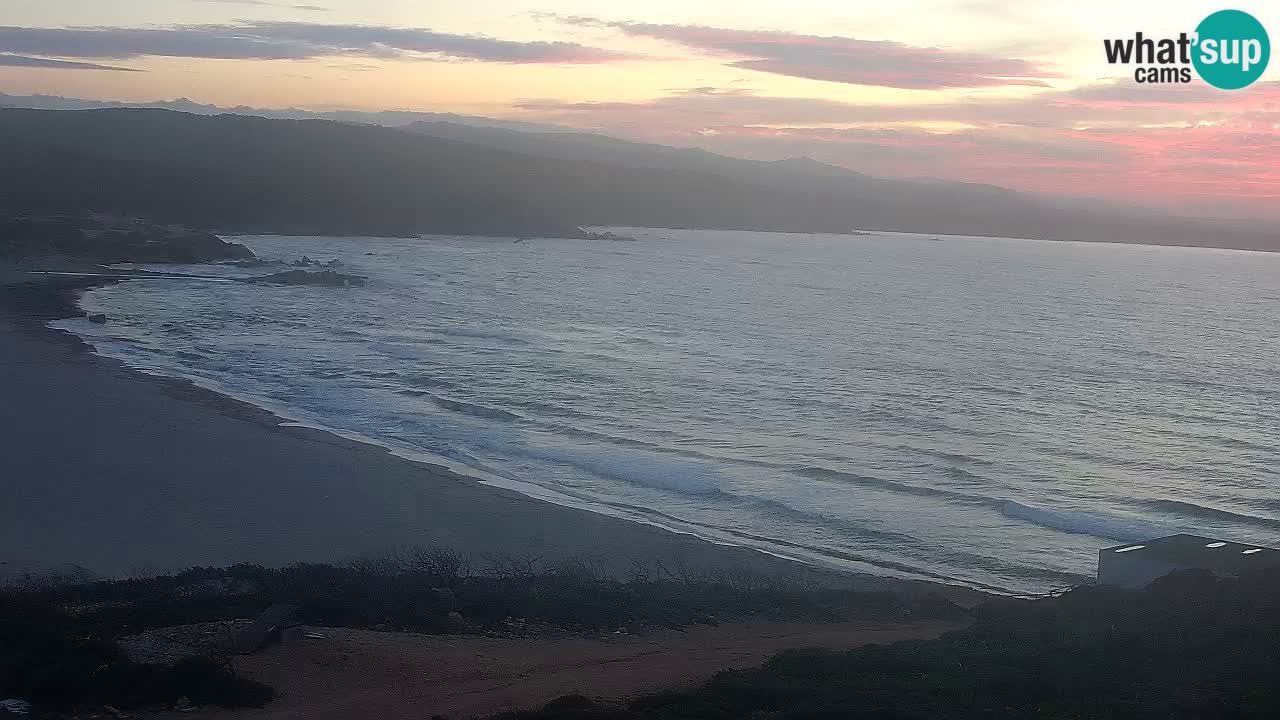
1013	94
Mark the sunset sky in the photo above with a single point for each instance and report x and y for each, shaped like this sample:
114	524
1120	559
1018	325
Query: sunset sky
1014	94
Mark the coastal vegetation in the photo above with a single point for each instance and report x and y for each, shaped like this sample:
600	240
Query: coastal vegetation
1189	646
58	658
59	633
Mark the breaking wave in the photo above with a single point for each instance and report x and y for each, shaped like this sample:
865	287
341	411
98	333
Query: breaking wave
1098	525
1178	507
638	467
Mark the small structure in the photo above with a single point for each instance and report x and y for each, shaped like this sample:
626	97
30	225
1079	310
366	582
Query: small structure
1135	565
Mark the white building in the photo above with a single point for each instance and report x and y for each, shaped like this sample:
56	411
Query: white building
1135	565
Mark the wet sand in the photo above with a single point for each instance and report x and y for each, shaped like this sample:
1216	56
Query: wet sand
120	472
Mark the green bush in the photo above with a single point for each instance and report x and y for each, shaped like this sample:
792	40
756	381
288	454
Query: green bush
415	590
57	636
57	661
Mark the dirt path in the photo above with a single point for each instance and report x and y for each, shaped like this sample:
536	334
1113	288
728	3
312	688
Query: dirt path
356	673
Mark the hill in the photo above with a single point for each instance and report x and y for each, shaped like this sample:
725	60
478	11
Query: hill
252	174
923	205
231	172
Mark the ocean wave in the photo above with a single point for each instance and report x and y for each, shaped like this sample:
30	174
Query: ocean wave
176	329
962	475
480	411
396	351
1098	525
480	333
547	408
376	374
1000	390
896	417
1098	459
637	467
1101	525
422	379
124	340
585	434
946	455
1178	507
905	564
773	507
328	374
821	473
990	564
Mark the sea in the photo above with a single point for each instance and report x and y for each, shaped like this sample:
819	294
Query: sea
985	412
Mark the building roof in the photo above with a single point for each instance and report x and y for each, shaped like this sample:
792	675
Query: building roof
1193	551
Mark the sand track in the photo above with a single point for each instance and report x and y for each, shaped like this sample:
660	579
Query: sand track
357	673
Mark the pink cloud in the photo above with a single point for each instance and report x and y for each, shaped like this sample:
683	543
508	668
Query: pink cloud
839	59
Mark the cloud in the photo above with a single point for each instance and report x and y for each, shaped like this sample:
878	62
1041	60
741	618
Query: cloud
1097	105
38	62
290	41
838	59
266	3
352	67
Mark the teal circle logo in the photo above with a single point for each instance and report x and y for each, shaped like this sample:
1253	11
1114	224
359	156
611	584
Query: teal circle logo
1232	49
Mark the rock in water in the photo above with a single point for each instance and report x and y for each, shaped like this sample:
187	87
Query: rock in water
326	278
606	235
14	706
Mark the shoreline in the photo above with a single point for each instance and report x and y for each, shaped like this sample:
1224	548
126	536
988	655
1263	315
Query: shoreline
465	520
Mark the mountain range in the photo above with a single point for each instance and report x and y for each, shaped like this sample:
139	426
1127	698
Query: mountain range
427	173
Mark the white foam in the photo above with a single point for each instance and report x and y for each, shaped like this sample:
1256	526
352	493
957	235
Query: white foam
637	467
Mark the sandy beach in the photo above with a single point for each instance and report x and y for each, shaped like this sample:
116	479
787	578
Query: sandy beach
120	472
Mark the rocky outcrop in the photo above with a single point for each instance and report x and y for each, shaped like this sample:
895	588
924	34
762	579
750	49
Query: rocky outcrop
606	235
255	263
327	278
105	239
305	261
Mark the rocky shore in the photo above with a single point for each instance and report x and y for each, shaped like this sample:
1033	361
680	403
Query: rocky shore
109	239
